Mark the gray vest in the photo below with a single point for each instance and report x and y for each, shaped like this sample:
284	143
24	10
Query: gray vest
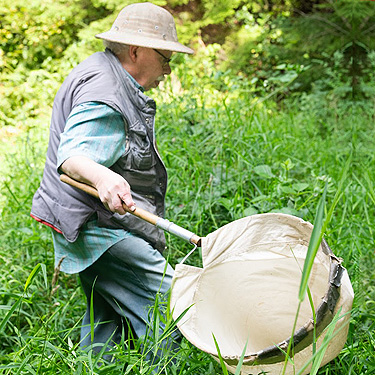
101	78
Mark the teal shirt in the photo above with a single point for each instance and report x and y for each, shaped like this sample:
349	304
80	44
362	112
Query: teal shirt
96	131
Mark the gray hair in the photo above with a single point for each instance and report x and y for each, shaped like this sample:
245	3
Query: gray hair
117	48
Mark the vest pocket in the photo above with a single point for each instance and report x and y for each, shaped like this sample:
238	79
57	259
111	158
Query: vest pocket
140	154
141	159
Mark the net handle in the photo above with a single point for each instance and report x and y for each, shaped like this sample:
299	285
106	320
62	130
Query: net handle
147	216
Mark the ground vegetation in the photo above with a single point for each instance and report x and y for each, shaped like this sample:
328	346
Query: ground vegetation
276	105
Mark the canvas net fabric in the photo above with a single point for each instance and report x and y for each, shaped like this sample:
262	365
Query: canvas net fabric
247	292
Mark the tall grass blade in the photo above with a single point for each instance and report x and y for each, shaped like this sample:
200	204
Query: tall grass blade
240	362
338	195
314	244
23	364
31	276
319	355
44	272
92	317
314	319
90	362
103	349
315	240
223	367
290	344
9	314
172	324
156	323
370	187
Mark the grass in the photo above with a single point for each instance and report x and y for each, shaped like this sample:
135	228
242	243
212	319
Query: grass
227	157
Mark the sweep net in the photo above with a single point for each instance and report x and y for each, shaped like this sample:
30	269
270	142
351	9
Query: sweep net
247	292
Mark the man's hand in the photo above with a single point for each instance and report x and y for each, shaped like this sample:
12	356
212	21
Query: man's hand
113	189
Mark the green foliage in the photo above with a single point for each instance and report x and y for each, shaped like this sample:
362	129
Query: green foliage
31	33
329	48
227	157
219	11
241	158
265	132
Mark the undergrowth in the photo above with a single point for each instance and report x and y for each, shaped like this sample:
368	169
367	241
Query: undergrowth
229	154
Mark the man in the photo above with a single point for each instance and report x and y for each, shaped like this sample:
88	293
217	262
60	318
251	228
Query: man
102	134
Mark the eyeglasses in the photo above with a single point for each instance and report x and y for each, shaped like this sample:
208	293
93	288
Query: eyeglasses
166	60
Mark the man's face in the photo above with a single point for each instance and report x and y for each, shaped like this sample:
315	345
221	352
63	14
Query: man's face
152	67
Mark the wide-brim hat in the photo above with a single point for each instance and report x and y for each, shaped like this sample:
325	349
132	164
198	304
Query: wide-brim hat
145	25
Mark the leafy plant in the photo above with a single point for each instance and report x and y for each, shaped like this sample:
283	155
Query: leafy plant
265	131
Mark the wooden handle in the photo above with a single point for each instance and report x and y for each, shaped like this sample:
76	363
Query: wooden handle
139	212
79	185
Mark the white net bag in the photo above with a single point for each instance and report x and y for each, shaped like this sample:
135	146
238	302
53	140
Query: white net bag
247	292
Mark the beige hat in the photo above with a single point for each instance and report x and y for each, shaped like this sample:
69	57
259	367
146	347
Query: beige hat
145	25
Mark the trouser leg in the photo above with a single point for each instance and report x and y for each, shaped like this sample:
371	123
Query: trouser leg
123	283
107	323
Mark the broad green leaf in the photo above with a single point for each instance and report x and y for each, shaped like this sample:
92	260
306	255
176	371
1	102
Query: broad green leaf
300	186
288	190
287	211
249	211
264	171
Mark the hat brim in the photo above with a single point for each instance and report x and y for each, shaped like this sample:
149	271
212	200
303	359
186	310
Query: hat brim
143	41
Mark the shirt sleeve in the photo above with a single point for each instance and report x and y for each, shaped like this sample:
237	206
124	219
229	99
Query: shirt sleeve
94	130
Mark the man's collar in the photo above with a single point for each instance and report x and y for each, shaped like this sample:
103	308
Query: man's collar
136	84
